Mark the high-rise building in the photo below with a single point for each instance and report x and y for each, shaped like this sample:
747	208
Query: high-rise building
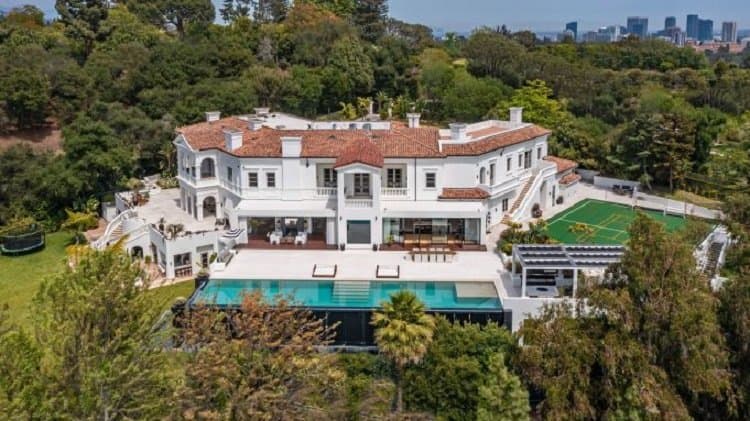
705	30
692	26
729	31
670	22
638	25
572	27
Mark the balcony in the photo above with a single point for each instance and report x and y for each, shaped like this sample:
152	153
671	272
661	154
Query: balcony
394	192
325	192
360	203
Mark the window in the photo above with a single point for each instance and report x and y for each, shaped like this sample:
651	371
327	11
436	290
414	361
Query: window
271	180
252	179
527	159
430	180
505	205
520	160
492	174
509	164
482	175
361	184
229	174
394	178
539	153
329	177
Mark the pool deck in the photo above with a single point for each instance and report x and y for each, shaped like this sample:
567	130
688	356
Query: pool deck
360	265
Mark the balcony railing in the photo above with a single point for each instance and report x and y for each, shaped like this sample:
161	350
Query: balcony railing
394	191
358	203
326	191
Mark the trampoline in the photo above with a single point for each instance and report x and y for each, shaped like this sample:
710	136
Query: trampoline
21	243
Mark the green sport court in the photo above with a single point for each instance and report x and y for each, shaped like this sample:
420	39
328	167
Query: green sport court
608	221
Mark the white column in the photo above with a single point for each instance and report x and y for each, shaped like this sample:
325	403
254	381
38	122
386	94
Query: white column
523	282
575	282
340	209
199	209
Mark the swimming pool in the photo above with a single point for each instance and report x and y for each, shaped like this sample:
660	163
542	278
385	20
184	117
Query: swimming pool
342	294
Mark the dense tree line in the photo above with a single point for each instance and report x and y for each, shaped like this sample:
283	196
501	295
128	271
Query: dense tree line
118	80
128	75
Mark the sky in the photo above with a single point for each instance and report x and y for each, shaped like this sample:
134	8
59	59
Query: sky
537	15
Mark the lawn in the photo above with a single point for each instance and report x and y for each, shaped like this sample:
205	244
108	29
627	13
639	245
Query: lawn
607	222
20	277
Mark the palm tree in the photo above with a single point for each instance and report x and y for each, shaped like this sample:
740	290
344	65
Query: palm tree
403	334
78	222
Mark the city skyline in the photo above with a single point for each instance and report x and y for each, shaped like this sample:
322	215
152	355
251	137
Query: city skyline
448	15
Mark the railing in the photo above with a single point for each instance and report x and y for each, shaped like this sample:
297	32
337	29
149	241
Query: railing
358	203
537	177
111	227
394	191
230	185
326	191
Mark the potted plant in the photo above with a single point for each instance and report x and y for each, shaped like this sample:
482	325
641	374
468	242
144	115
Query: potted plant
374	247
536	211
342	246
559	200
390	240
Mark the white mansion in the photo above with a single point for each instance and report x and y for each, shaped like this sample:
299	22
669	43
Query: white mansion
365	183
275	179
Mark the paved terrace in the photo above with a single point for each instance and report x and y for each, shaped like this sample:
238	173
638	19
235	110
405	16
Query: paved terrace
165	203
361	265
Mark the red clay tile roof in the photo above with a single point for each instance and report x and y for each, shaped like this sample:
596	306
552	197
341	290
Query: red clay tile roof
360	152
570	179
562	163
464	194
490	143
398	142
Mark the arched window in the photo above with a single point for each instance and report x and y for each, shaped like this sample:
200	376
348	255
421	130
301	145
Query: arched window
483	176
352	126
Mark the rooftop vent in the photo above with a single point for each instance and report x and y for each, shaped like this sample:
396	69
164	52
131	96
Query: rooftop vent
232	139
458	131
413	120
254	124
212	116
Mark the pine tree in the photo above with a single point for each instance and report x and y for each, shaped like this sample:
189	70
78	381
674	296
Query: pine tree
502	396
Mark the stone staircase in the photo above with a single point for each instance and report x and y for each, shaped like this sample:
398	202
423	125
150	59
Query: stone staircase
712	261
351	292
508	217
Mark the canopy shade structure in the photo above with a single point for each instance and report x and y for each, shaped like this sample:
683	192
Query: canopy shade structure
557	257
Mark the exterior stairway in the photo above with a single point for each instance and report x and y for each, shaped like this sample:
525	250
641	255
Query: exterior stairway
508	217
712	259
351	292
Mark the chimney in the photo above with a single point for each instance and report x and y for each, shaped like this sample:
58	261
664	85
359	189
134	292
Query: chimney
458	131
516	116
232	139
212	116
262	111
291	147
254	124
413	120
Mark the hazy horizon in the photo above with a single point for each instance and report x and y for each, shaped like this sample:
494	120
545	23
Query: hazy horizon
465	15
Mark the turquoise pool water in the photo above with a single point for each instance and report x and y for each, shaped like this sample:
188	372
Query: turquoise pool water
319	293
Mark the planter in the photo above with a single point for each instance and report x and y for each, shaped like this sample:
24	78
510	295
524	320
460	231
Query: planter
342	246
200	279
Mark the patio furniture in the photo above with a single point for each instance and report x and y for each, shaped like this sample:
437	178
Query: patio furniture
275	237
388	271
301	239
324	271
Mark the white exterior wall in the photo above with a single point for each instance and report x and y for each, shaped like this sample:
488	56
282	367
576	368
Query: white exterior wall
297	181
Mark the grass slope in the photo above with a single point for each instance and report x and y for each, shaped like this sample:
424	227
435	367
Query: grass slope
21	276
